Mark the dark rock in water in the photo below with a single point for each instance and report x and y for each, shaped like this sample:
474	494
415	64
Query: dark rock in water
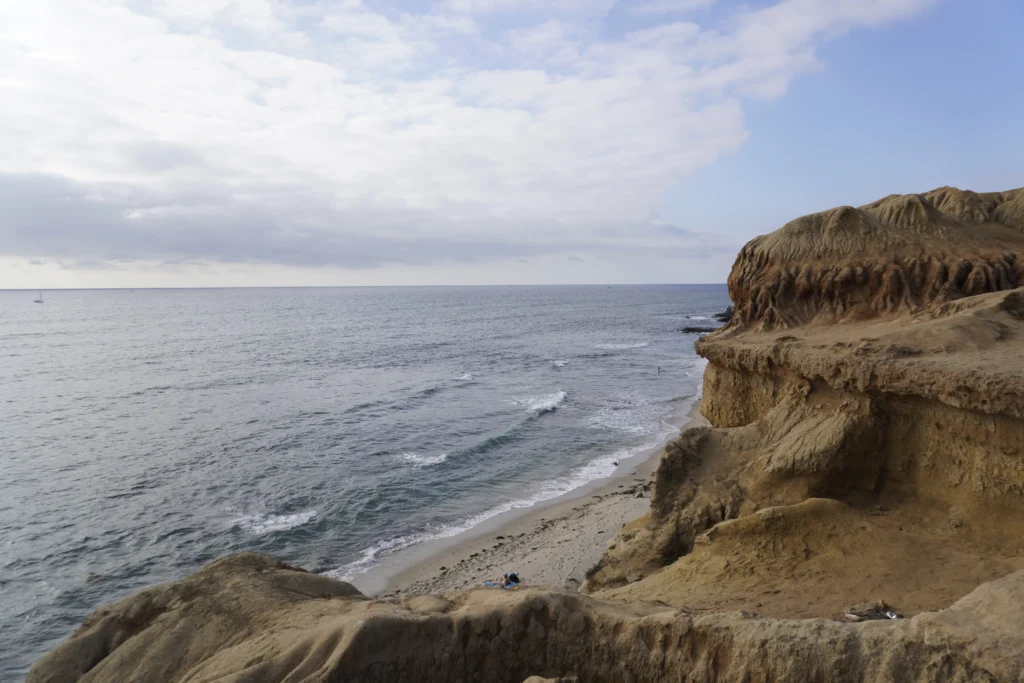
726	315
689	330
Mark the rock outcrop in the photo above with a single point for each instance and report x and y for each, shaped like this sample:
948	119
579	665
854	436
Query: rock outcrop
898	255
867	444
867	437
248	618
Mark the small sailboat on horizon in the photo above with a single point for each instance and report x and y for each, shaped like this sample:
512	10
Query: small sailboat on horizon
40	299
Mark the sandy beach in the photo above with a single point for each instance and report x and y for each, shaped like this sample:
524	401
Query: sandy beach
552	544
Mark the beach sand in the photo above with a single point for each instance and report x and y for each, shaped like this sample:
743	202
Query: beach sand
551	545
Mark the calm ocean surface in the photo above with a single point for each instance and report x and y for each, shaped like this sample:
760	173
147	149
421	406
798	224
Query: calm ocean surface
148	432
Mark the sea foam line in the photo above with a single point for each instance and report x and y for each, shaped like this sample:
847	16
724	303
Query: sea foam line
622	347
601	468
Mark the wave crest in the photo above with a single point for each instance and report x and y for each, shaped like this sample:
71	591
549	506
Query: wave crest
544	404
424	460
265	524
622	347
600	468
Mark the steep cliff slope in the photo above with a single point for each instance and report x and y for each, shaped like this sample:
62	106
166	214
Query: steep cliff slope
901	405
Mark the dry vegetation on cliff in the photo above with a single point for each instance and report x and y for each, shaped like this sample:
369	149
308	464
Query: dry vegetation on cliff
867	443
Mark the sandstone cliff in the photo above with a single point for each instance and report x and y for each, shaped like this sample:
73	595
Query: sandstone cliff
868	431
867	443
897	255
248	618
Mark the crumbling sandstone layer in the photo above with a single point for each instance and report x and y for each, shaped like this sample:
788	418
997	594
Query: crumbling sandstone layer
248	618
897	255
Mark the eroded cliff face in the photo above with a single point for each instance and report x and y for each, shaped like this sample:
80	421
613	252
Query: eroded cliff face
867	442
898	255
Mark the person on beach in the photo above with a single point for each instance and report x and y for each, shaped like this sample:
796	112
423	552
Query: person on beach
506	581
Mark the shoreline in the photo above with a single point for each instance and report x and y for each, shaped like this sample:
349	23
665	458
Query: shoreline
552	543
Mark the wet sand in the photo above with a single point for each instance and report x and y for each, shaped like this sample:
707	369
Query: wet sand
552	545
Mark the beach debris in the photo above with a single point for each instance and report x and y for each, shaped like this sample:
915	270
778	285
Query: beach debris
870	611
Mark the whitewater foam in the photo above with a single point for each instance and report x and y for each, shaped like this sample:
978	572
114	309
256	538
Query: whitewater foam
697	370
264	524
600	468
465	378
622	347
543	404
559	363
632	414
424	460
630	421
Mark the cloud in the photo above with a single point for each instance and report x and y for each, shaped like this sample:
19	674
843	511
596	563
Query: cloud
668	6
49	217
354	135
527	6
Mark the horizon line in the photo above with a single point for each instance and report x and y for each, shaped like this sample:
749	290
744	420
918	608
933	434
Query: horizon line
589	284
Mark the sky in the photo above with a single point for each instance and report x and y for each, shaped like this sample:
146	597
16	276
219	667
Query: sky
172	143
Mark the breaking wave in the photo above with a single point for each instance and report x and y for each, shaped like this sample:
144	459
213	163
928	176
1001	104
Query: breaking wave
424	460
600	468
544	404
264	524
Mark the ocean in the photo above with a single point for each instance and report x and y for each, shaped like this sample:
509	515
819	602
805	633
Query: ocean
148	432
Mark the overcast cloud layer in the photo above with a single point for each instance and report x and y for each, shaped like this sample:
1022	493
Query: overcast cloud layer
213	134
